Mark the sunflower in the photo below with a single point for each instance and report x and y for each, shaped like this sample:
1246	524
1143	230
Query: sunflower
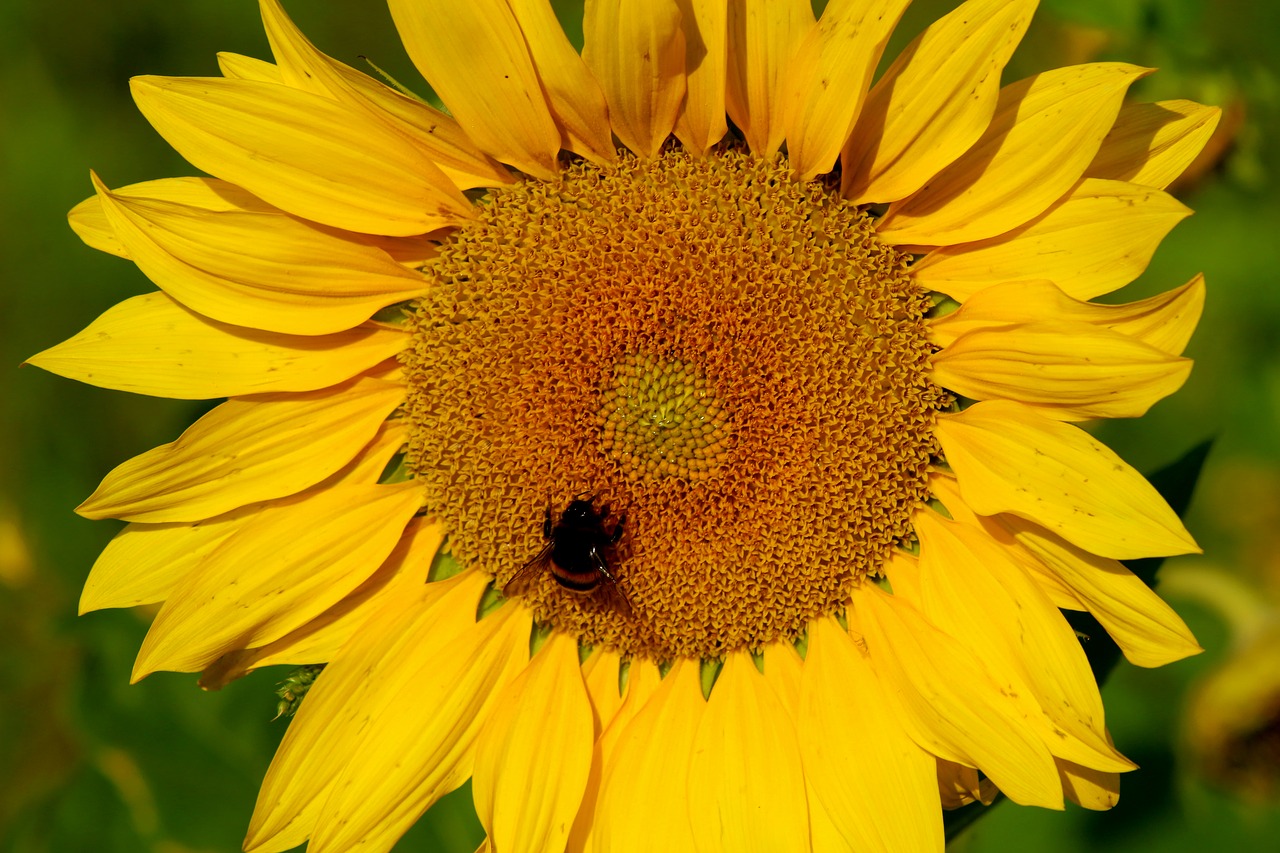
753	382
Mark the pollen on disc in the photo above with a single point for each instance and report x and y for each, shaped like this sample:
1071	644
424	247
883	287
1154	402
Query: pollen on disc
724	355
660	418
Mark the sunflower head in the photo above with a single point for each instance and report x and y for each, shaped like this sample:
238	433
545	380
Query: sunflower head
726	355
751	379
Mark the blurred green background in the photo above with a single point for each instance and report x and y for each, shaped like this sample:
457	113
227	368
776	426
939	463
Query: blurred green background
90	763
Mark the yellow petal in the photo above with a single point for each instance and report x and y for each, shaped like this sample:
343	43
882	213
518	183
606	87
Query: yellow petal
435	134
1097	238
1009	459
1045	131
1164	322
701	123
635	48
404	766
576	102
387	655
824	835
934	101
1147	629
267	580
1151	144
144	562
152	345
474	56
210	195
960	786
944	488
320	640
763	35
1095	790
828	77
303	153
260	270
534	753
783	671
948	703
644	796
642	682
1064	370
89	220
601	674
236	67
877	786
244	451
746	786
975	591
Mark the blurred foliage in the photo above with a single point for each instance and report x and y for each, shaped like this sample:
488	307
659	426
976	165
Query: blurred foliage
89	762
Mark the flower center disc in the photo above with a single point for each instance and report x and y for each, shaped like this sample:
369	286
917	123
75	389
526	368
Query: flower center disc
726	356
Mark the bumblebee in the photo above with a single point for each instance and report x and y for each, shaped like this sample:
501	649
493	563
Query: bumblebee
576	555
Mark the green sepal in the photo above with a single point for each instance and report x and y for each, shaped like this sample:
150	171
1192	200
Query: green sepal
538	636
490	601
294	687
709	673
443	565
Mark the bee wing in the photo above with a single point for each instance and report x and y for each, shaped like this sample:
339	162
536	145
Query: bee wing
522	581
610	591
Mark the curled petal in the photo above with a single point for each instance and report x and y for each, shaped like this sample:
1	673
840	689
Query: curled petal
960	786
236	67
89	220
1068	371
1164	322
1096	790
435	134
